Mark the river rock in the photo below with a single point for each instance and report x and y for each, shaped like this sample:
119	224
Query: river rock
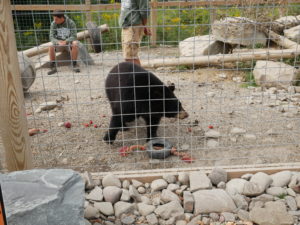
199	181
158	185
281	179
123	207
218	175
111	180
145	209
171	209
112	194
105	208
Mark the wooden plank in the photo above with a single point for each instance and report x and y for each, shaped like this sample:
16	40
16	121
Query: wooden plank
13	122
153	23
148	176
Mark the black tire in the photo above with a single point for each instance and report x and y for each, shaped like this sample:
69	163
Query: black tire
159	154
95	36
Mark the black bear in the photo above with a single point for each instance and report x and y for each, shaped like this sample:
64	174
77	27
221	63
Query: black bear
135	92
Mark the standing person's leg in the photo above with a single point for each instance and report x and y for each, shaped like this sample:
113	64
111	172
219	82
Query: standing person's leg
74	55
52	60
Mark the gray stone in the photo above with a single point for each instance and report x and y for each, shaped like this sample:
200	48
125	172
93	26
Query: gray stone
237	131
288	21
274	74
235	186
202	45
54	196
123	207
229	217
126	184
188	202
158	185
181	222
281	179
46	106
199	181
87	222
276	191
136	183
238	30
169	178
206	221
128	220
214	216
156	201
134	194
195	220
297	199
216	200
111	180
95	195
291	192
254	204
291	203
146	200
221	185
212	134
272	214
171	209
257	184
112	194
168	196
243	215
125	197
105	208
141	190
173	187
145	209
152	219
211	143
183	178
90	212
27	71
218	175
293	33
188	216
89	182
240	201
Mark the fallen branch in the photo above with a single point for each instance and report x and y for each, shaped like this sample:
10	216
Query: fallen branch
43	48
282	41
223	58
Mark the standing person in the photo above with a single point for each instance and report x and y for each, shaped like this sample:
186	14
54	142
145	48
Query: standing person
63	37
133	20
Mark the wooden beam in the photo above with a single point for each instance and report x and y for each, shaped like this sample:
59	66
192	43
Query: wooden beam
153	23
223	58
148	176
13	122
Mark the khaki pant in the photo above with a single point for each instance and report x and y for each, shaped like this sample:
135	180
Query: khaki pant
131	39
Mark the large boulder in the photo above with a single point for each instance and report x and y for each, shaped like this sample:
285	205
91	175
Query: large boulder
274	74
293	33
27	71
47	197
202	45
288	21
239	31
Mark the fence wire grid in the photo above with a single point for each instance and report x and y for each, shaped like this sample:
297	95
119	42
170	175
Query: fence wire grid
243	109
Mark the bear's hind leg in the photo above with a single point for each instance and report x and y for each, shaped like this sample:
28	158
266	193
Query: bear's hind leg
114	127
152	126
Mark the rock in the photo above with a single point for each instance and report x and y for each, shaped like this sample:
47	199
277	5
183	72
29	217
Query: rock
158	185
247	176
298	201
221	185
229	217
87	222
112	194
293	33
195	221
212	143
218	175
243	215
183	178
214	216
168	196
173	187
237	131
288	21
263	198
272	214
212	134
136	183
156	201
202	45
257	184
141	190
181	222
126	184
95	195
123	207
39	196
188	202
188	216
111	180
238	30
291	192
171	209
146	200
274	74
105	208
250	136
46	106
152	219
240	201
145	209
128	220
276	191
291	203
89	183
134	194
169	178
235	186
125	197
90	212
199	181
216	200
281	179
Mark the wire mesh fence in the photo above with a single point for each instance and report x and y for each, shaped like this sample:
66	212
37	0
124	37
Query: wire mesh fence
242	110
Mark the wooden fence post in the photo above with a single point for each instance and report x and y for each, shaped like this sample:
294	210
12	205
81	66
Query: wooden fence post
153	37
13	123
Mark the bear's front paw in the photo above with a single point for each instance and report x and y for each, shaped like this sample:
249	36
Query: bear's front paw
107	139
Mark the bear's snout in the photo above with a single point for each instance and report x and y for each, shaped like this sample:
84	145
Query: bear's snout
183	114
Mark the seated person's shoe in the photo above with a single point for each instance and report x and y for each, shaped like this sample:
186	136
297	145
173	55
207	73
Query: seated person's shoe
76	69
52	70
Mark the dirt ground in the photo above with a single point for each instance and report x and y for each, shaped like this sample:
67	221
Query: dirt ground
212	96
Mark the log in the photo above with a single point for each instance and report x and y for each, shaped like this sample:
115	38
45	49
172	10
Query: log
282	41
223	58
43	48
13	122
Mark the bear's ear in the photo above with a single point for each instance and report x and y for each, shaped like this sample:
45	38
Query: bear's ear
171	86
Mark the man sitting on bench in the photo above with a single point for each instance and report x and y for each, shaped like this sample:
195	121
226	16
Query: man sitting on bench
63	36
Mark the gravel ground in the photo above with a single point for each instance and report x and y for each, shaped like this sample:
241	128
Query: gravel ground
212	96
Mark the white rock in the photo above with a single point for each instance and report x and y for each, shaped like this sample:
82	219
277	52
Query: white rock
126	184
152	219
76	81
250	136
235	186
237	131
91	212
188	202
183	178
240	201
297	199
158	185
173	187
293	33
112	194
210	94
199	181
111	180
185	147
169	178
247	176
168	196
221	185
89	182
141	190
47	106
122	208
125	197
105	208
257	185
146	200
212	143
134	194
136	183
218	175
61	124
276	191
212	134
281	179
291	203
171	209
181	222
243	215
145	209
229	217
291	192
288	21
216	200
95	195
195	220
